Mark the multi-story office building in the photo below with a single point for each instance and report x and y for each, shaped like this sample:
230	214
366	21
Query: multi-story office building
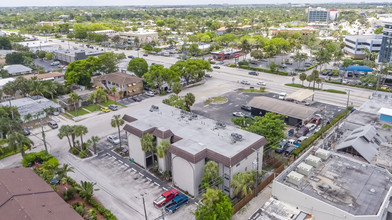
69	56
317	15
356	44
386	45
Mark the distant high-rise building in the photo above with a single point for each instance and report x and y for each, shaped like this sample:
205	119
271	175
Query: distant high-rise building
316	15
386	44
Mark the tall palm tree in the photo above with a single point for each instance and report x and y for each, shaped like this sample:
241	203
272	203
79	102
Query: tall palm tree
92	97
117	122
62	171
74	98
242	183
37	88
17	141
67	131
148	144
101	95
51	88
79	131
162	148
94	141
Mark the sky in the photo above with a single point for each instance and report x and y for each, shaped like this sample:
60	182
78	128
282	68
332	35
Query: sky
7	3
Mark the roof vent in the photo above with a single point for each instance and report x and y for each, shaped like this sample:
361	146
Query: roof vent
372	190
236	137
154	108
220	125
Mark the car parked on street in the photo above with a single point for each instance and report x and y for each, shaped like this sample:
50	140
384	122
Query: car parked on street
246	108
282	96
131	57
26	131
113	139
176	203
145	55
216	67
150	93
238	114
208	75
113	107
53	124
165	198
136	99
282	147
105	109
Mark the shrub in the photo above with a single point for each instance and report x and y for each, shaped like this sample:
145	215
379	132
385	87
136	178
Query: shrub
41	156
232	65
69	194
243	63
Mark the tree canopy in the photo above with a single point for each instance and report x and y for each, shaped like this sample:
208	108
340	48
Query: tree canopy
215	206
139	66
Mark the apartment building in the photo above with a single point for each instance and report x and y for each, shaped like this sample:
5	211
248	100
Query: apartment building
356	44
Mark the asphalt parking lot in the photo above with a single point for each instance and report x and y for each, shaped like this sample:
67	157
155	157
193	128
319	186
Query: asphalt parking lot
46	65
129	100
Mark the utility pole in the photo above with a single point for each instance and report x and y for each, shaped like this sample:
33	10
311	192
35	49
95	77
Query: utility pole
348	96
257	170
43	136
142	195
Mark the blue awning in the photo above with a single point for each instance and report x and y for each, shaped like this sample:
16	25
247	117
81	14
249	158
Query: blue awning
358	68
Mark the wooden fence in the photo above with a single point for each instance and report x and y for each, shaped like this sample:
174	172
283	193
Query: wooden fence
259	188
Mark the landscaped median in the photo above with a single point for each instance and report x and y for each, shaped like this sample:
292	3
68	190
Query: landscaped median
306	87
310	140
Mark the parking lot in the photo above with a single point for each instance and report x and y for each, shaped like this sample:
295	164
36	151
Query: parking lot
129	100
46	65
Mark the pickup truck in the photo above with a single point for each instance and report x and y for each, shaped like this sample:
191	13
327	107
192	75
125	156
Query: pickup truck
176	203
165	198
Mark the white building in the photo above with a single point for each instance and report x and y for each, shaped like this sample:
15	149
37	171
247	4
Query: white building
40	46
17	69
355	45
142	35
338	188
5	81
194	141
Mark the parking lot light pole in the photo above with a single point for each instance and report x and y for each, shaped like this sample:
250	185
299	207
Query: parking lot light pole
142	195
348	96
257	170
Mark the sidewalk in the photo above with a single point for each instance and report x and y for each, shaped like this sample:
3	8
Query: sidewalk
256	203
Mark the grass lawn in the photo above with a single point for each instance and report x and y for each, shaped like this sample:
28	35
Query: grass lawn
109	102
79	113
305	87
216	100
261	90
92	108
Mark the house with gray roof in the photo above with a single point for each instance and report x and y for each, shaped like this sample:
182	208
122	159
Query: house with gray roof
363	142
194	140
17	69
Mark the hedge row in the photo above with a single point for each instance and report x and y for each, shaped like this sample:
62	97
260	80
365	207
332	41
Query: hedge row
358	86
105	212
283	73
309	141
306	87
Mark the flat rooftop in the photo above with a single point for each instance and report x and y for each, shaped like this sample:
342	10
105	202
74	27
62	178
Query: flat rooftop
72	52
367	37
196	133
344	183
277	210
31	105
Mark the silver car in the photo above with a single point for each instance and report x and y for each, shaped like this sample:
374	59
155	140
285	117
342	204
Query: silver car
113	139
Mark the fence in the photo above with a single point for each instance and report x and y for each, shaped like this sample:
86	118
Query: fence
279	168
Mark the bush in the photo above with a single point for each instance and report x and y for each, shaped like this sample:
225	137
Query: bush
40	157
105	212
83	153
232	65
243	63
69	194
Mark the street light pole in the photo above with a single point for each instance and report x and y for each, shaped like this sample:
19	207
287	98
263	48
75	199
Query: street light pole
257	170
348	96
142	195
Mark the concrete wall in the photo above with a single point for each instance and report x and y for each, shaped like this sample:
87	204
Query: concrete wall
317	208
135	150
186	175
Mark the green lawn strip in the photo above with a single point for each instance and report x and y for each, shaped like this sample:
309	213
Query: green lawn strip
92	108
79	113
261	90
305	87
216	100
110	102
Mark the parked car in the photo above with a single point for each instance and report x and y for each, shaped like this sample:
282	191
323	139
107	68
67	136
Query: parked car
53	124
302	131
246	108
26	131
245	82
131	57
208	75
261	83
145	55
165	198
350	74
304	103
264	60
311	127
384	87
282	96
176	203
136	99
238	114
289	63
113	107
55	63
289	149
370	85
299	140
55	180
283	66
105	109
254	73
282	147
113	139
315	121
216	67
150	93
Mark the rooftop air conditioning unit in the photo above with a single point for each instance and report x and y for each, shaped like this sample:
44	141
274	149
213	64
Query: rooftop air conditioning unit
304	169
236	136
295	178
313	160
323	154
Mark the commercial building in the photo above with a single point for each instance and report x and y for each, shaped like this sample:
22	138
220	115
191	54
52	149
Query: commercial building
194	140
303	30
70	55
105	32
53	76
385	114
35	46
386	45
17	69
318	15
356	44
227	53
337	188
125	84
295	114
144	37
24	195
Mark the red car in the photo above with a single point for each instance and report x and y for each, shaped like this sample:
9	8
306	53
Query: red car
165	198
315	121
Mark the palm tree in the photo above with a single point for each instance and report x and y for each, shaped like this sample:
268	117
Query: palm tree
162	148
17	141
242	183
116	122
74	98
79	131
302	77
67	131
148	144
92	97
51	88
86	189
94	141
37	88
113	90
101	94
28	117
62	171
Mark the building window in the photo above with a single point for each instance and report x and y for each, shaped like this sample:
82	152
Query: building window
237	164
226	176
226	189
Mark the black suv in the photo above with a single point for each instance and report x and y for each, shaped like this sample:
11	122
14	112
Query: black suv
253	73
246	108
282	147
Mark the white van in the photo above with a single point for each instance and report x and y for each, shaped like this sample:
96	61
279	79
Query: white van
282	96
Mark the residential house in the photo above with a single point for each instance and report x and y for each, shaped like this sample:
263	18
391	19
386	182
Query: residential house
53	76
125	84
17	69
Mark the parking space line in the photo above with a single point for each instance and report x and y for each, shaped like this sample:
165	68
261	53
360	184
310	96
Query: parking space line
120	161
196	203
157	184
148	179
164	188
133	169
141	174
114	157
126	165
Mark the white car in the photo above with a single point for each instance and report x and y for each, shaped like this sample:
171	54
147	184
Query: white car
238	114
282	96
245	82
113	139
150	93
261	83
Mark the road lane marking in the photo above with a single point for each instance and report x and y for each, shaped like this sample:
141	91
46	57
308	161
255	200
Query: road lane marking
120	161
114	157
127	165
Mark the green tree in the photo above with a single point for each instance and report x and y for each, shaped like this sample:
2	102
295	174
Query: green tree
74	98
49	56
162	148
17	141
148	144
67	131
41	54
256	54
14	58
5	43
273	67
160	23
270	126
138	66
242	183
79	131
63	171
189	100
211	175
215	206
117	122
94	141
101	95
86	189
378	30
4	73
192	69
177	87
108	62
